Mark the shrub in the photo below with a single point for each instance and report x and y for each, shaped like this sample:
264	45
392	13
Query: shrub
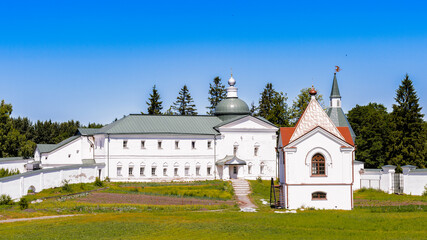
259	179
5	200
4	172
107	179
23	203
66	186
98	182
425	191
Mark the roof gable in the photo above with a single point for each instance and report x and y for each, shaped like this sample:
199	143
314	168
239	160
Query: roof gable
286	134
322	131
247	122
314	116
46	148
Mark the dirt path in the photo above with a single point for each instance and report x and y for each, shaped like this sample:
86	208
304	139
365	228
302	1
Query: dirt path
241	190
35	218
98	197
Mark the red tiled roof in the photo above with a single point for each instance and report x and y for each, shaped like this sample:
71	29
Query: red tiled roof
286	134
345	132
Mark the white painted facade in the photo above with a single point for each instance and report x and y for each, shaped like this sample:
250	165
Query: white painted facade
148	156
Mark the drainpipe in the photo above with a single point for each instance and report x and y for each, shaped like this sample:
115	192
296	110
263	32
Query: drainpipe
108	156
214	166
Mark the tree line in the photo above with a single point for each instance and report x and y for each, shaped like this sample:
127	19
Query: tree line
382	138
398	137
18	136
272	105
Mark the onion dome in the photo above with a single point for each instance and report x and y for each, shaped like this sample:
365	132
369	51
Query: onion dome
232	105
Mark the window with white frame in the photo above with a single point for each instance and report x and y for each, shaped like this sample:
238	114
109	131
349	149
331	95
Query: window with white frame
209	169
193	144
142	144
198	169
125	144
153	169
165	169
175	169
235	148
130	170
159	144
261	168
177	144
256	151
142	170
209	144
119	169
250	168
69	155
187	169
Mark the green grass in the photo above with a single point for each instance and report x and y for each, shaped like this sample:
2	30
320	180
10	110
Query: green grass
373	194
133	221
217	190
224	225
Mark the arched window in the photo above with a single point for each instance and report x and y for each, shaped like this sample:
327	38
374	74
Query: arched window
175	169
318	196
119	169
130	169
261	168
142	169
235	148
153	169
318	165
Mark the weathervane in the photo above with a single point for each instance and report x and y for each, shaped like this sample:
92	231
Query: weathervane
337	69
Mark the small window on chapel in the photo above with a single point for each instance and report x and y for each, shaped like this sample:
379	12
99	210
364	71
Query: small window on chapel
318	165
318	196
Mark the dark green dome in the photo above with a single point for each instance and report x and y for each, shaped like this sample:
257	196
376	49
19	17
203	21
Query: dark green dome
231	106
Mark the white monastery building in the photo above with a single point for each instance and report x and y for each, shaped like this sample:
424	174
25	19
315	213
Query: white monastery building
230	144
316	158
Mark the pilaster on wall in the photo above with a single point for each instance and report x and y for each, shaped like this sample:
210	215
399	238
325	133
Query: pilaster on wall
388	171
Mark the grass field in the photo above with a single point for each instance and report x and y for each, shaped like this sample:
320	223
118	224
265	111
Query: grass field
132	221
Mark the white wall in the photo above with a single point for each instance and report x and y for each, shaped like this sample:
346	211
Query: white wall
15	164
68	154
17	186
337	197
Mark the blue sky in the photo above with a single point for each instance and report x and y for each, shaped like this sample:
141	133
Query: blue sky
95	61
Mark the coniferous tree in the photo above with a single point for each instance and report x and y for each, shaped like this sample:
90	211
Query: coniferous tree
12	142
301	102
154	104
253	109
184	104
407	136
217	93
273	106
370	123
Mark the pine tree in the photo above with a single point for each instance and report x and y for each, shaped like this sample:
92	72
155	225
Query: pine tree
217	93
154	104
370	123
407	137
300	104
184	104
273	106
253	110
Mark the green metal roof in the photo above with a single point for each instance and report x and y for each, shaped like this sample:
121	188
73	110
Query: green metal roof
45	148
336	114
87	131
233	106
163	124
335	92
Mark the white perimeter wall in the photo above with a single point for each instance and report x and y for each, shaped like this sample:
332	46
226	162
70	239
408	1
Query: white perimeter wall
13	165
17	186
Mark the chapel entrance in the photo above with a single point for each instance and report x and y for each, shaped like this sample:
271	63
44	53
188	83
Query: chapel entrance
234	171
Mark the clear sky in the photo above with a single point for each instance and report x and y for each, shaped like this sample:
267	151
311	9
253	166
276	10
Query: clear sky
94	61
